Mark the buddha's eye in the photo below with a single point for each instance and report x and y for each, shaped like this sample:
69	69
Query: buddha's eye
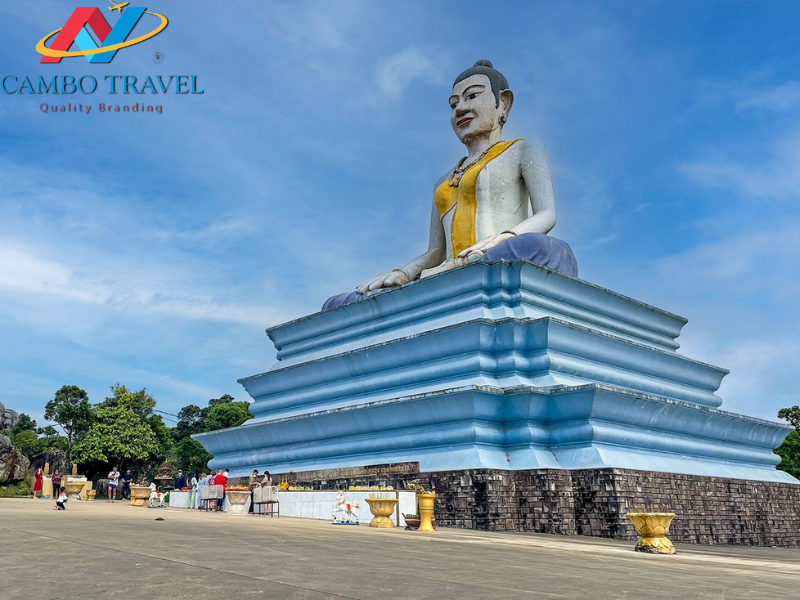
472	96
453	105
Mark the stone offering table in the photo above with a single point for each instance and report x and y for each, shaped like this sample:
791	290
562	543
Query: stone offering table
178	499
140	495
238	501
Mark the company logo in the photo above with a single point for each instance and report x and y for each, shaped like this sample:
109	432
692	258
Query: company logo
111	39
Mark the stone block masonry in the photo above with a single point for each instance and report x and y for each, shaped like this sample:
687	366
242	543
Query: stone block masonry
594	502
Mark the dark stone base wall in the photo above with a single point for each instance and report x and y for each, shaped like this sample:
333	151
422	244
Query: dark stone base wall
594	502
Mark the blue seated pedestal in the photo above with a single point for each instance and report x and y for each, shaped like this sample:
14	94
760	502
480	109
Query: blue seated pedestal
504	365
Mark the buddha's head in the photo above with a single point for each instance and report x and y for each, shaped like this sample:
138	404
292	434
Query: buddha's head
480	102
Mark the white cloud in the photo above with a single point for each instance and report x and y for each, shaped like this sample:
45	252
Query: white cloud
397	72
741	294
123	288
779	98
775	177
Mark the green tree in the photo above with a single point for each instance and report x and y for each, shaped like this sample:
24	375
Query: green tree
163	436
789	452
190	420
792	415
48	435
229	414
28	443
191	456
139	402
118	433
25	423
70	408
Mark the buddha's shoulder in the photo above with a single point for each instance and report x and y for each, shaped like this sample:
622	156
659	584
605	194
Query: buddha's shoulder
526	148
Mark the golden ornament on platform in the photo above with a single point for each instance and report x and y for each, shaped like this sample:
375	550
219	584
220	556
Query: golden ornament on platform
653	528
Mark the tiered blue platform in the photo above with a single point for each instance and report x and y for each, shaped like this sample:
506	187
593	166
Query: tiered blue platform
502	366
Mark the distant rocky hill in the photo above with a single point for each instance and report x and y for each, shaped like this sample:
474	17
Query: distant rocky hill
8	418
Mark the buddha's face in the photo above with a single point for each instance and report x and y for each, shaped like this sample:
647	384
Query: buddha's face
473	108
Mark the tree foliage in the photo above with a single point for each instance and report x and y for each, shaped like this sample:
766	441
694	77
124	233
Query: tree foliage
70	408
792	415
24	437
28	443
230	414
219	413
118	433
25	423
789	451
191	456
141	403
123	430
50	439
190	421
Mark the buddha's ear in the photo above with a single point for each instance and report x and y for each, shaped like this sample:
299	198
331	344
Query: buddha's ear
506	101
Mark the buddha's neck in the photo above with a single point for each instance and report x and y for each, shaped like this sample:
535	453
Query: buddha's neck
479	144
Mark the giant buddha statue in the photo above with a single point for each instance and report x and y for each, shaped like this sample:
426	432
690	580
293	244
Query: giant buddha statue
496	203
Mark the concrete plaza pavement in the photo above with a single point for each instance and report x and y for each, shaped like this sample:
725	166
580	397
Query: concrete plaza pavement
97	549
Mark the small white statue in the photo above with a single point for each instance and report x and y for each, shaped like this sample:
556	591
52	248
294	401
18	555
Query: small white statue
344	512
156	499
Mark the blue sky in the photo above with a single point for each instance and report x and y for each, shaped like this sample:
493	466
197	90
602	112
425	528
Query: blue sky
153	250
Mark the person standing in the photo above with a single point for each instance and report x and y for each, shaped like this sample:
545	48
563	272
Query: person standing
192	483
126	485
113	480
220	479
201	484
180	481
253	484
37	485
56	483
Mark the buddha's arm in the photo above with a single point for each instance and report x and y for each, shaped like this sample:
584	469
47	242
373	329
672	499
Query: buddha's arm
436	253
536	174
434	256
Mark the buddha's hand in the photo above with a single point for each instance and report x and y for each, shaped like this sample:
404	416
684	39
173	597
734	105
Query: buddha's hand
384	280
488	242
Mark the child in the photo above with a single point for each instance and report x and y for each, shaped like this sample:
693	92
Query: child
61	501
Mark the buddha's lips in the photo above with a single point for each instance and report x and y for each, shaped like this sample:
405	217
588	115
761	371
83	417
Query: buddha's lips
463	121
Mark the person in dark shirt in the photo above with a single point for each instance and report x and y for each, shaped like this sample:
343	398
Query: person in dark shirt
180	481
126	485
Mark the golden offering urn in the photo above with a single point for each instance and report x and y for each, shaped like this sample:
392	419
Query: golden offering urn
382	508
139	495
653	528
425	501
